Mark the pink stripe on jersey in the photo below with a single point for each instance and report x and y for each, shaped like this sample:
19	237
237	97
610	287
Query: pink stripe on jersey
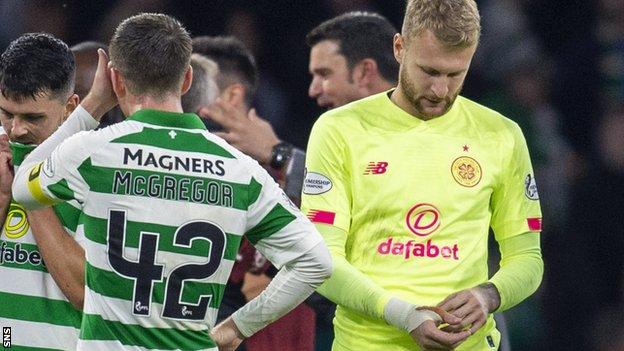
535	224
319	216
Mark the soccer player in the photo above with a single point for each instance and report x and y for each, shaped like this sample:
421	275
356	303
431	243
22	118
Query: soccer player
165	204
404	186
42	281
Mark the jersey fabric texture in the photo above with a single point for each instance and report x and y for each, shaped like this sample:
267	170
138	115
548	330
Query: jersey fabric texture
165	205
33	306
417	199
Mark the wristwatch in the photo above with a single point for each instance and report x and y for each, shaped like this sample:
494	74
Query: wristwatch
280	154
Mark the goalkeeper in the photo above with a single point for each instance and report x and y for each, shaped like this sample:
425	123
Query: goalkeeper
405	185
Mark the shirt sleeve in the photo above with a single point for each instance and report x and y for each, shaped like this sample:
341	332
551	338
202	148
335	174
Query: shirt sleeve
50	173
275	226
326	197
327	201
515	200
521	269
280	232
348	287
55	179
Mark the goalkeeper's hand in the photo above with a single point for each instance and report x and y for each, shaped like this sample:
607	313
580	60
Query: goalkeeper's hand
429	337
422	324
472	305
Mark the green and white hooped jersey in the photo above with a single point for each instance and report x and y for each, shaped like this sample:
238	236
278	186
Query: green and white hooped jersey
165	205
31	304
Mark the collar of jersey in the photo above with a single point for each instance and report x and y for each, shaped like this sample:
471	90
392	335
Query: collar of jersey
20	151
397	118
168	119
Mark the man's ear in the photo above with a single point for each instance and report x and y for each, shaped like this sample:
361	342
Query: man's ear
188	80
234	94
118	82
398	47
71	105
365	72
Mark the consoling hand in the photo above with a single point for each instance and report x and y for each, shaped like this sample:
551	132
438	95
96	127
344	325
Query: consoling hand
248	133
101	97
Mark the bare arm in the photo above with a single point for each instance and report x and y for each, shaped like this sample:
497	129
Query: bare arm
63	256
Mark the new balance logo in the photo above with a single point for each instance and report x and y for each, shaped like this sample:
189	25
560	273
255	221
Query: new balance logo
376	168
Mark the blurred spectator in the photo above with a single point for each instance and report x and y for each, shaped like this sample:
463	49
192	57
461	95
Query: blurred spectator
610	35
270	99
506	40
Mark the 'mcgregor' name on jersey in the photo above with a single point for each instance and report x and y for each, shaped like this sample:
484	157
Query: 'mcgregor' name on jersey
173	187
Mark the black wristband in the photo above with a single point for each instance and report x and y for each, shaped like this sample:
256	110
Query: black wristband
280	154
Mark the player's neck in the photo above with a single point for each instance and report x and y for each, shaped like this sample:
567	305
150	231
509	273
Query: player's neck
169	104
398	98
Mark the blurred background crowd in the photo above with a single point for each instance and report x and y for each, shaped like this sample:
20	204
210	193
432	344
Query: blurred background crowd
555	67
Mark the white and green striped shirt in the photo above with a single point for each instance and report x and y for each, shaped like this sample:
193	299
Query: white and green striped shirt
165	204
31	303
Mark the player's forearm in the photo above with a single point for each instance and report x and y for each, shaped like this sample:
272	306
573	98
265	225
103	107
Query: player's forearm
521	269
348	286
79	120
291	286
64	257
351	288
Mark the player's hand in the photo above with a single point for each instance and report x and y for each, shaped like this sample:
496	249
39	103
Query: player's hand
226	335
101	97
472	305
247	132
6	169
429	337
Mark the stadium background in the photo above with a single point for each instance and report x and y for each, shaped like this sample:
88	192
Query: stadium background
556	67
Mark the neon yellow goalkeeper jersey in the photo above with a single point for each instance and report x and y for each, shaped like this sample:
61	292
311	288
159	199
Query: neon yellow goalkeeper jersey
417	199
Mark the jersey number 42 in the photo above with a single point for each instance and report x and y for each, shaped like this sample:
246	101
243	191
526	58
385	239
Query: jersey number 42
145	271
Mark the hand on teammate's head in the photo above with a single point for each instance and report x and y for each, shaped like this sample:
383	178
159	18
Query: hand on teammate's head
101	97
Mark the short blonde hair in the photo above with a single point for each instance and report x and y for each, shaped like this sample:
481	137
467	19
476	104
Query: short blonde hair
456	23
